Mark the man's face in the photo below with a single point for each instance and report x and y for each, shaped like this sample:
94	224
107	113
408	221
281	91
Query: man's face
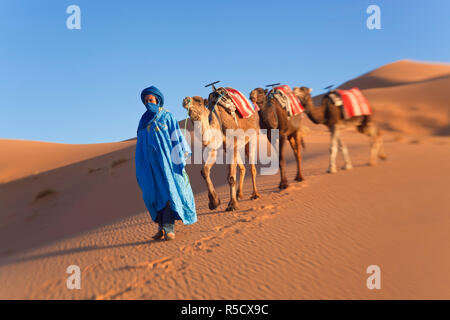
150	99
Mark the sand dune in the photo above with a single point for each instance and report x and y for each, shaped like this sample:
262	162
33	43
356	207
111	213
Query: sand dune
80	204
407	97
415	109
21	158
399	73
314	240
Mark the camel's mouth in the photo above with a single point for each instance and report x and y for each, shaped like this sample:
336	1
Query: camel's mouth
193	117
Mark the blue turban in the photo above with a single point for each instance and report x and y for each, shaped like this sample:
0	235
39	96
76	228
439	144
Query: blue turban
155	92
151	111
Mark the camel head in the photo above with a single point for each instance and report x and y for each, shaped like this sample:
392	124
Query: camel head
259	96
318	115
304	95
267	108
199	115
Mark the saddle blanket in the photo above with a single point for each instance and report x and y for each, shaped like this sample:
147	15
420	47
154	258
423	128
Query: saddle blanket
355	104
287	99
243	106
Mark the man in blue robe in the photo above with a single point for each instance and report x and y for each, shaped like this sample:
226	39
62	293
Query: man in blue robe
161	153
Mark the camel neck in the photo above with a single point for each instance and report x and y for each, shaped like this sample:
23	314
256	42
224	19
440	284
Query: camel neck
316	114
214	119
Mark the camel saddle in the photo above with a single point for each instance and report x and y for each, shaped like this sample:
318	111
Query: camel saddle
233	100
352	101
287	99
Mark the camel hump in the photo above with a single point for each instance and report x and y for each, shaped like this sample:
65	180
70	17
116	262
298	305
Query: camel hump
335	98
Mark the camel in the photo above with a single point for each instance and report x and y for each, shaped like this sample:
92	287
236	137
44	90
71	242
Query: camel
221	120
331	116
274	116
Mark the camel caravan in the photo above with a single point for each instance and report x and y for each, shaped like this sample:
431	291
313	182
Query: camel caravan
279	109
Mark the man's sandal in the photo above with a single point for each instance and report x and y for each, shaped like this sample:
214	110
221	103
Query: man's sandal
169	236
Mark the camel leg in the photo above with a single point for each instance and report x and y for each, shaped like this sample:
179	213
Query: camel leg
296	144
240	194
344	150
333	149
214	200
375	143
232	205
284	183
269	135
255	194
381	153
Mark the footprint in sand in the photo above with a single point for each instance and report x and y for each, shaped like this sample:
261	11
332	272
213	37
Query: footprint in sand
119	162
90	170
165	264
46	193
202	245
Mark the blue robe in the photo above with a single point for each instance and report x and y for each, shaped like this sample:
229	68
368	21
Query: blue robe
160	166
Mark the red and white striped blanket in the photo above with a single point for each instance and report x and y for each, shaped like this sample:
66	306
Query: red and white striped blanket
243	106
292	104
355	104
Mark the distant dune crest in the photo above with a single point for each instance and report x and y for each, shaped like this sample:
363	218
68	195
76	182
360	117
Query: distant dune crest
408	97
399	73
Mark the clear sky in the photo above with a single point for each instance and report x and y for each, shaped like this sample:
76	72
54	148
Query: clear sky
83	86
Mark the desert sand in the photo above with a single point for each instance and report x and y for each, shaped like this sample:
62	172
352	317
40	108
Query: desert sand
63	205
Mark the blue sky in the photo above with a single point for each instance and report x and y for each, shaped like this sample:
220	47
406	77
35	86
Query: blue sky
83	86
